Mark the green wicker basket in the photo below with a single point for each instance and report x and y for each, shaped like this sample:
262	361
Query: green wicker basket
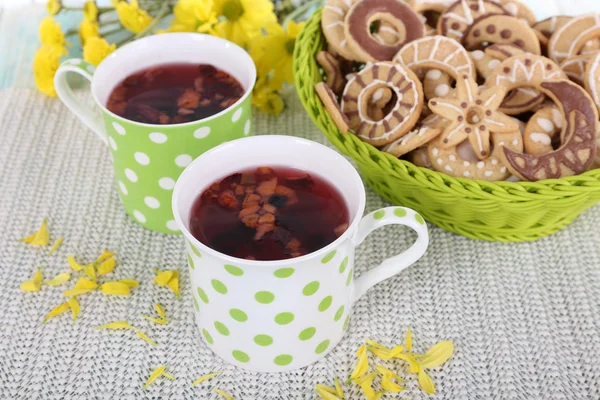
495	211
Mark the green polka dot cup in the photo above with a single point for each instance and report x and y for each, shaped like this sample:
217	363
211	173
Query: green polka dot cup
148	158
275	316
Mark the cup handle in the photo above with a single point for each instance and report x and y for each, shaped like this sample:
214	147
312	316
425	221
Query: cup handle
393	265
65	93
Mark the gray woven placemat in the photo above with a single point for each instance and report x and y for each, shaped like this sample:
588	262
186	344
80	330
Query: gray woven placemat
525	318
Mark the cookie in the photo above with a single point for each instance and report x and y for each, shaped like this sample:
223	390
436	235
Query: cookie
487	61
419	157
524	72
386	34
332	24
461	161
550	25
458	17
520	10
332	106
578	149
394	12
422	134
473	115
421	6
404	111
502	29
570	39
331	66
437	84
542	130
592	79
575	68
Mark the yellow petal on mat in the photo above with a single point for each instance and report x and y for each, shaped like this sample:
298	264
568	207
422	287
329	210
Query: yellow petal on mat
163	278
168	376
338	388
115	289
225	395
386	380
74	305
365	384
159	310
35	284
326	392
75	266
106	267
174	284
41	237
105	256
29	238
408	340
90	271
426	383
159	321
146	339
362	365
155	374
132	283
115	325
82	286
57	311
437	355
56	245
59	279
205	378
413	365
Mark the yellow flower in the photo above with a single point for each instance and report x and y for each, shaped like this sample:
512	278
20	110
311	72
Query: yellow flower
88	29
41	237
274	52
242	20
53	7
35	284
132	17
266	98
90	11
45	63
193	16
50	33
96	49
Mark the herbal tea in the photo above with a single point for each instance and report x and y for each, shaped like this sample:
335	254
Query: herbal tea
174	94
269	214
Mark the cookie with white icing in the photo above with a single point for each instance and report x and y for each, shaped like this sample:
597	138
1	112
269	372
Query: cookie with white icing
404	112
332	24
592	79
503	29
542	130
520	10
572	37
335	79
422	134
458	17
332	106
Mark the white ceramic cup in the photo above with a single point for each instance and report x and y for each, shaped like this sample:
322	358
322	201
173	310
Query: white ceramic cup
275	316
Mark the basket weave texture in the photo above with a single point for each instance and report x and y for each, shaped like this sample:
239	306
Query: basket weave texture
494	211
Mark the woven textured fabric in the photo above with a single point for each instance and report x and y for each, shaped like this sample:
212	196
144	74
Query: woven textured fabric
525	318
497	211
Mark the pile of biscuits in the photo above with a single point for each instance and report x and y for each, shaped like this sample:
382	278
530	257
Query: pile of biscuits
475	89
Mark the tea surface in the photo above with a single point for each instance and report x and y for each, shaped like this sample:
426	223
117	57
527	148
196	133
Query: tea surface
269	214
174	94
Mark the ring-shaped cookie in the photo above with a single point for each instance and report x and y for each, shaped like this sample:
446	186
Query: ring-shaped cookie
525	72
331	66
578	149
592	79
575	68
503	29
332	24
542	129
423	133
437	84
419	157
520	10
458	17
404	113
548	26
451	162
421	6
394	12
571	38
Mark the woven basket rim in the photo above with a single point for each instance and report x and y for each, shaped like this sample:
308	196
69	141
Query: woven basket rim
502	190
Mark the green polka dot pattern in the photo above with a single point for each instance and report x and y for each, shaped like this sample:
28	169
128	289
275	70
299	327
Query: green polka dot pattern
347	322
202	295
284	318
219	286
196	304
325	303
338	314
191	262
328	257
207	336
311	288
238	315
240	356
307	333
343	265
400	212
379	214
221	328
419	219
148	159
284	272
263	340
349	278
233	270
283	360
264	297
322	347
195	250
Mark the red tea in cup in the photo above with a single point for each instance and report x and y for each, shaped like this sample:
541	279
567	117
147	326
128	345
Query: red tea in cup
174	94
270	213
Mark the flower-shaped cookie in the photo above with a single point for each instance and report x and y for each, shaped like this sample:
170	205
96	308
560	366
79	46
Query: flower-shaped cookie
474	115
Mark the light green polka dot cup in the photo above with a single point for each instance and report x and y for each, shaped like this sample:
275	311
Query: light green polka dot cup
275	316
148	158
